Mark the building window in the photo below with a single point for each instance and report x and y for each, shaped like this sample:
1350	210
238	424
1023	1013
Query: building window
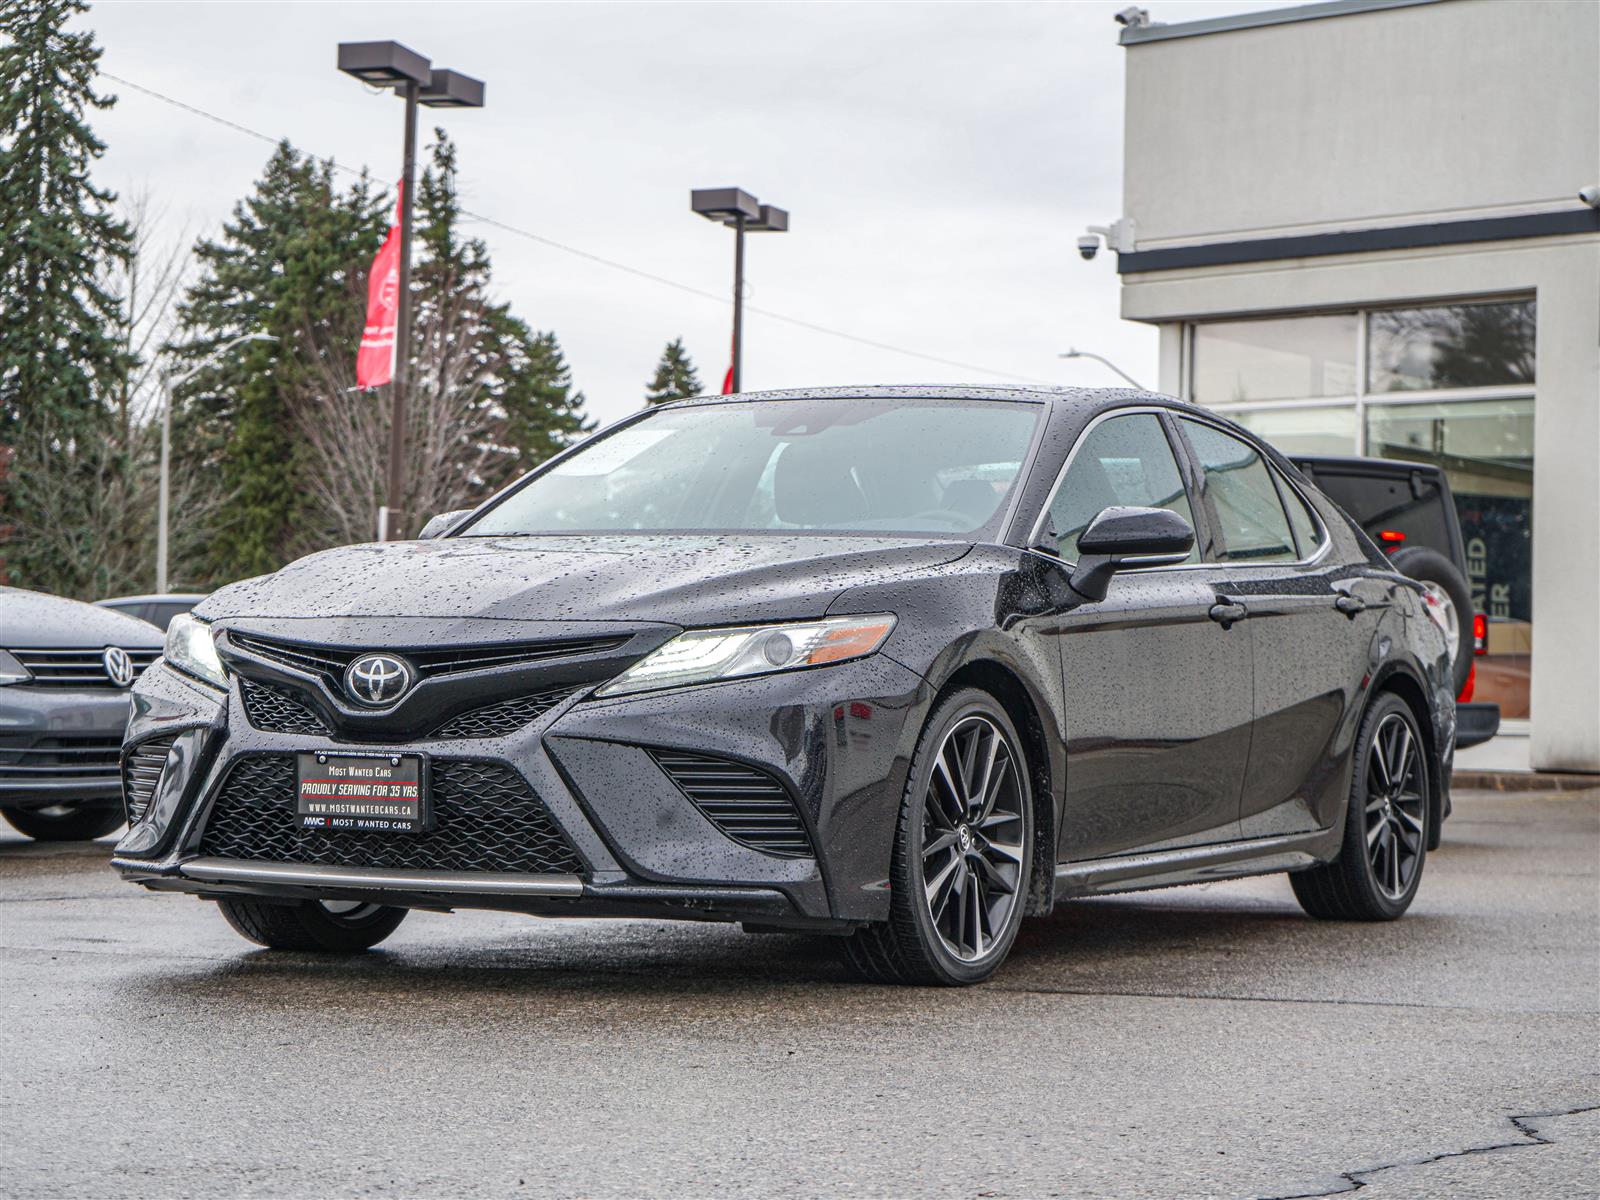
1449	384
1293	358
1451	346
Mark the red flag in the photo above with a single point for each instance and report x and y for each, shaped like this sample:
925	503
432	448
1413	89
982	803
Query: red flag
375	359
727	380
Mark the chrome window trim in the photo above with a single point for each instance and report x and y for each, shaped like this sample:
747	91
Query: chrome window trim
1204	419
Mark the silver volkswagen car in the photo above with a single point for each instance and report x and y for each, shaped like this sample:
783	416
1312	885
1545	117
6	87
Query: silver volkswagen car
65	670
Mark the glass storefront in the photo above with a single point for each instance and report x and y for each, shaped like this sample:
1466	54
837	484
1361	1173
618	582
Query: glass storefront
1291	358
1450	385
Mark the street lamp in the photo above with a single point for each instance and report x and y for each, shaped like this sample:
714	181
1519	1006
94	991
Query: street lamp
417	81
744	214
169	381
1102	359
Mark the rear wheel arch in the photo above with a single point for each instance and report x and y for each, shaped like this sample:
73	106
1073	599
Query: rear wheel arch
1400	683
1020	705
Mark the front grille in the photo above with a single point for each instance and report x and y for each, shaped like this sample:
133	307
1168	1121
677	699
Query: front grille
57	760
486	818
331	661
747	804
141	770
273	710
508	716
77	668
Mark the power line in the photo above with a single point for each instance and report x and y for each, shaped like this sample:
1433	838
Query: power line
588	255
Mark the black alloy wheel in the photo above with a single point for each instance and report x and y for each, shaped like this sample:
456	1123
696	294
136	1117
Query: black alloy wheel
1385	842
1396	812
331	926
972	840
963	850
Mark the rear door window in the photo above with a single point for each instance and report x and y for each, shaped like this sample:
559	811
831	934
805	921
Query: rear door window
1308	530
1124	460
1251	524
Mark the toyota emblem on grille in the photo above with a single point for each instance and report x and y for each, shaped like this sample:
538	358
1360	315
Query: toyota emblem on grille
377	679
119	667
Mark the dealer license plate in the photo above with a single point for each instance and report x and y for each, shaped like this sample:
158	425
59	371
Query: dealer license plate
385	793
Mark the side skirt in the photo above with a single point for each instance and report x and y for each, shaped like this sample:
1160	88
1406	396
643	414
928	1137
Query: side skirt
1197	864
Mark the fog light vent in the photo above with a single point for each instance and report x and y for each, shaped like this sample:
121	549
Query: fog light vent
746	803
141	771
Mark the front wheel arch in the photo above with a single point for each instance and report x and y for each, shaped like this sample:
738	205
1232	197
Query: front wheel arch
1013	695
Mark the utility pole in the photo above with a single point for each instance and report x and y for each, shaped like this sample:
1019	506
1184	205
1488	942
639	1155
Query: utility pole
415	80
391	520
743	213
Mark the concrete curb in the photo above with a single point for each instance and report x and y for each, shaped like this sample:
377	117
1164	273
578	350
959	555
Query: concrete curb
1524	781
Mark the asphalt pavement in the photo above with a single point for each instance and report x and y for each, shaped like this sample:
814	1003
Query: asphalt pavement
1204	1041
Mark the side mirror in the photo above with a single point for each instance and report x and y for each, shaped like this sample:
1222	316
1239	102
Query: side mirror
438	524
1124	539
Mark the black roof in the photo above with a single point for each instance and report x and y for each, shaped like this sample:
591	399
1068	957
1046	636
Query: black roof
1031	393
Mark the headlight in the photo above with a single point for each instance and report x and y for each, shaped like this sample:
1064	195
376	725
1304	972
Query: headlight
11	671
190	649
704	655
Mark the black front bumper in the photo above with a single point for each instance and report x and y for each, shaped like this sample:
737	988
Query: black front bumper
60	745
835	739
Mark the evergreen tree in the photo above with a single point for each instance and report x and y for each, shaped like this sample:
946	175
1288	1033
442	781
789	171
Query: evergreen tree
675	377
285	264
59	354
544	412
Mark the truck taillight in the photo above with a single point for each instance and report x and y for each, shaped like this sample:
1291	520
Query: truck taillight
1480	633
1469	686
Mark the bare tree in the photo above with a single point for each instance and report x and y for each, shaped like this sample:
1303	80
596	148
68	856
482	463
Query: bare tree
454	435
151	282
93	496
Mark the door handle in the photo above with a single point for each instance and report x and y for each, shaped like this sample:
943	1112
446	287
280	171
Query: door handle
1350	605
1225	613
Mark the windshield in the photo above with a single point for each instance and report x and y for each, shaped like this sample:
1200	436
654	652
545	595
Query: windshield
928	467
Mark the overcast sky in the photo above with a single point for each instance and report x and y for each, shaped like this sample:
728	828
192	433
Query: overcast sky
938	160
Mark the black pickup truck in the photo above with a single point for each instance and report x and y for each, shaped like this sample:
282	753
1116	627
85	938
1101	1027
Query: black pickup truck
1407	509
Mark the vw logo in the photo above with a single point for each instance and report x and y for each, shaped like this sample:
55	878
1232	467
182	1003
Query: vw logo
377	680
119	667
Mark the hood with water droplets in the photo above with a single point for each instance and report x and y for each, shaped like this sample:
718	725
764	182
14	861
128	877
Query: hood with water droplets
680	580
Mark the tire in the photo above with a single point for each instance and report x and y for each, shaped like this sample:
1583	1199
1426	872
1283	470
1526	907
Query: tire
310	924
1429	566
973	857
1366	882
64	822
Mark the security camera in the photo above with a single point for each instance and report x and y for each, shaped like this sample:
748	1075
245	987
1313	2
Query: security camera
1590	195
1133	16
1088	245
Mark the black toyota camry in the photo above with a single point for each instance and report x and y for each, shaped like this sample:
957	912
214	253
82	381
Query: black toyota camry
899	665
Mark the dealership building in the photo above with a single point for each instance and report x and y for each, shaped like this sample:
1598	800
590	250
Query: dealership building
1357	226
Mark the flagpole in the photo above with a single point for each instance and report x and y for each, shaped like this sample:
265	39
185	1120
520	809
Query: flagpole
392	518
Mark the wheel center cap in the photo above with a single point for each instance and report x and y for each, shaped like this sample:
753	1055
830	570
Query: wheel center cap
964	837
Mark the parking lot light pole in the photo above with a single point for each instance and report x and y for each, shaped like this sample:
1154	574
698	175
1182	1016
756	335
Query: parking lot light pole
1075	353
743	213
415	80
169	381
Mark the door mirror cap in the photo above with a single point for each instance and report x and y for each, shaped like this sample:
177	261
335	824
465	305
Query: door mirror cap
1125	539
438	524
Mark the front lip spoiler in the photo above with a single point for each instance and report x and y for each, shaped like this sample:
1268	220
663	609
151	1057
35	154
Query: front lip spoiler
540	895
457	883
